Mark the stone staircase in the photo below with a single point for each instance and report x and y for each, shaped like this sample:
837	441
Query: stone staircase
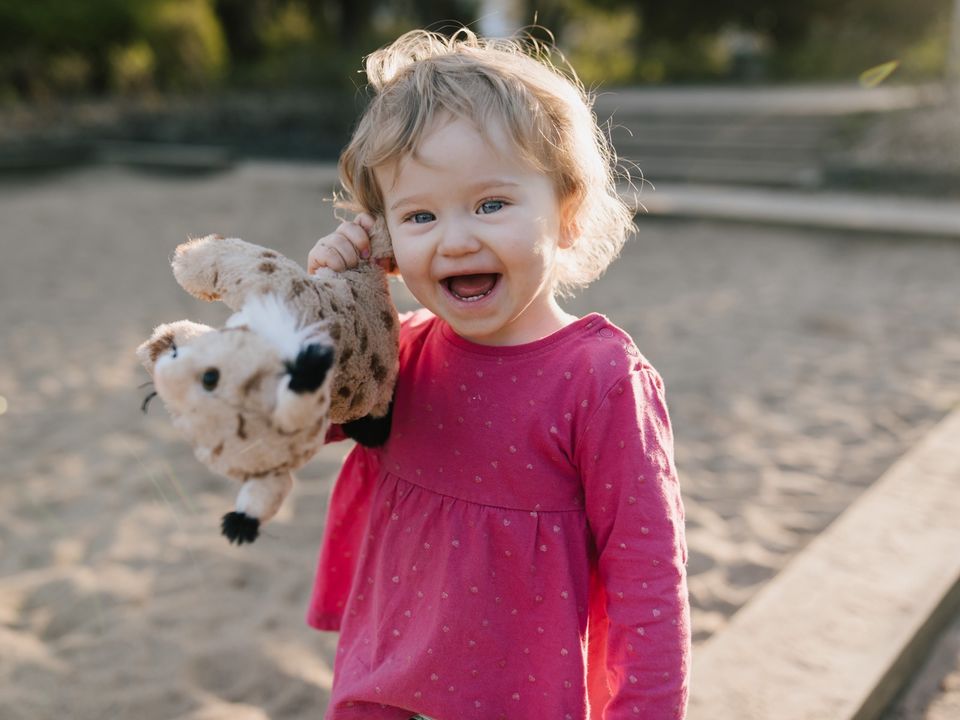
779	137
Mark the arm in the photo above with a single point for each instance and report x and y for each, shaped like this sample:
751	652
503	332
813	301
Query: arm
640	611
231	269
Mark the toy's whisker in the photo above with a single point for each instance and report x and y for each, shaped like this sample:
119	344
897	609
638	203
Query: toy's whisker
185	499
146	402
144	384
251	446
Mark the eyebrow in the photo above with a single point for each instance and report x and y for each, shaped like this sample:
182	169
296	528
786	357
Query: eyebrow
475	187
412	200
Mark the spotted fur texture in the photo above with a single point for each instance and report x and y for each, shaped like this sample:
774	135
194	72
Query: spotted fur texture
255	398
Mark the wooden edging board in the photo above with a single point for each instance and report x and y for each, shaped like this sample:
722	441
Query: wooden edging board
838	632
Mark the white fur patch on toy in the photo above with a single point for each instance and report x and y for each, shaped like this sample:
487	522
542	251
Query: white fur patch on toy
276	323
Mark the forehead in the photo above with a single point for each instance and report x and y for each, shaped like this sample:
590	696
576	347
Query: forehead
455	146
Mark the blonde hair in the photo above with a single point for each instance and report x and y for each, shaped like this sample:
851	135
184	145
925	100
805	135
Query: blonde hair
545	111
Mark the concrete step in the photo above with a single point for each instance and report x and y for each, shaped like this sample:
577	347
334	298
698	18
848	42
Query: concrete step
759	136
166	157
742	150
851	212
717	141
783	101
27	157
748	125
725	170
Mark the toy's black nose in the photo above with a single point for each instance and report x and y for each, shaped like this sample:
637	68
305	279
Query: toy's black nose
309	370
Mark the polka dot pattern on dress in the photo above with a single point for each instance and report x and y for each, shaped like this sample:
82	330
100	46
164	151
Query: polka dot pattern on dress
513	464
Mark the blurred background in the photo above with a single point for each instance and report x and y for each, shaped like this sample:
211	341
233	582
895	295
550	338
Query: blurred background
794	279
280	78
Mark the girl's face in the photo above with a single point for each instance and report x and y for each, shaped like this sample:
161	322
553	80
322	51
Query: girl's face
476	233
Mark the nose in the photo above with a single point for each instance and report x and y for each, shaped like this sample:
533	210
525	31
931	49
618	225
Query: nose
458	239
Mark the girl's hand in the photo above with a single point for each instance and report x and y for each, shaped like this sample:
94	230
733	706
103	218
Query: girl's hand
344	248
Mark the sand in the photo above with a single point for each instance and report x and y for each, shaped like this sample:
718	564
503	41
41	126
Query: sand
798	365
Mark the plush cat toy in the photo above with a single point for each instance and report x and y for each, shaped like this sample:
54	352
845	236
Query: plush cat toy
256	397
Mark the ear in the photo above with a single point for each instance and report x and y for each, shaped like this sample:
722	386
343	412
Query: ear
168	336
569	227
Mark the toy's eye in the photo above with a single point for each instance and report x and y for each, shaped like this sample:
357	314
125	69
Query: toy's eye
210	379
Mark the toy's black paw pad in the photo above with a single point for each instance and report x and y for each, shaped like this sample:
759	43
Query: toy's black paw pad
240	528
369	431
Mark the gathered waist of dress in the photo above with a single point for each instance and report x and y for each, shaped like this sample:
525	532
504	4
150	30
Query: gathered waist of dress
500	492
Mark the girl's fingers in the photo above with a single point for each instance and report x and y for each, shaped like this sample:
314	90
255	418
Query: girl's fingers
366	221
314	259
324	254
355	234
345	248
336	259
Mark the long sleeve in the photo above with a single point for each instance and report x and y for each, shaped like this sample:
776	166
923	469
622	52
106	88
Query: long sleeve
639	620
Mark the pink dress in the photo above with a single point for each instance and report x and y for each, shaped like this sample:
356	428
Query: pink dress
516	549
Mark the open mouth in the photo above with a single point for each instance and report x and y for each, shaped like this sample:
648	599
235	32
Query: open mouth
471	288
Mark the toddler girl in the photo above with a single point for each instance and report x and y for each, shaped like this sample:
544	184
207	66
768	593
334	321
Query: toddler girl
515	549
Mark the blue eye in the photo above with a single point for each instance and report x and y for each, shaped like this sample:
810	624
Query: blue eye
420	218
490	206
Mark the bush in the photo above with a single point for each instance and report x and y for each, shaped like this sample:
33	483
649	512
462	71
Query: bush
845	51
133	69
187	42
69	73
49	46
57	47
601	45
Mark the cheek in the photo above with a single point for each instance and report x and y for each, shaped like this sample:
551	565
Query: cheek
411	259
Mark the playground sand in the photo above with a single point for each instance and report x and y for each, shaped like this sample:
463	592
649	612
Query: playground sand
798	366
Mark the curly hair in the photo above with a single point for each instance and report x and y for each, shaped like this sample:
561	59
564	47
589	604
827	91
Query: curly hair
544	109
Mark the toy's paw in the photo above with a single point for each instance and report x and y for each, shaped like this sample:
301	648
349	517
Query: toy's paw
369	431
239	527
309	370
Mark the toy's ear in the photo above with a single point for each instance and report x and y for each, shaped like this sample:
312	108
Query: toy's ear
302	396
381	247
167	336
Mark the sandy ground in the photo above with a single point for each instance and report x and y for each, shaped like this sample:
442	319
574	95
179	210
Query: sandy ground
798	365
935	692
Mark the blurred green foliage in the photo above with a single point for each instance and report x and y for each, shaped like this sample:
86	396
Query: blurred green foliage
795	40
187	42
51	47
65	48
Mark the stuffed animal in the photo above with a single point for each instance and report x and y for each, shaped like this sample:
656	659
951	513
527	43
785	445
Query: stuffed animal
256	397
